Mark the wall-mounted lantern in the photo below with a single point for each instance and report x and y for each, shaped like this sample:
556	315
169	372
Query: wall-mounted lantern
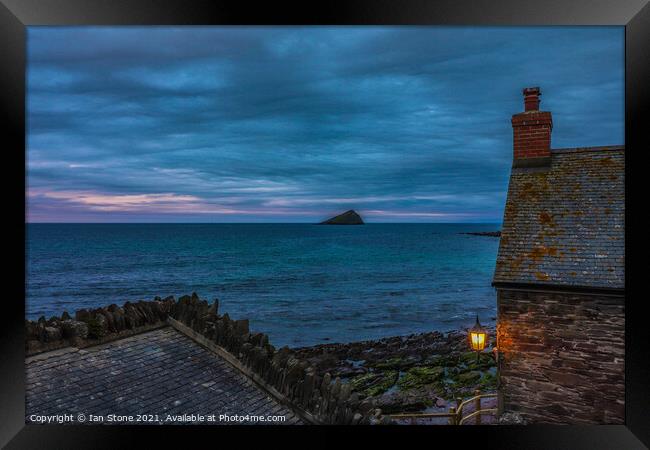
477	338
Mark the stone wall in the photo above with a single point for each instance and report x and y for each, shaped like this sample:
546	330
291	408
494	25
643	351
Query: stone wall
561	357
95	326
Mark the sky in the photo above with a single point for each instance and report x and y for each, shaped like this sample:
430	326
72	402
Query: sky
296	124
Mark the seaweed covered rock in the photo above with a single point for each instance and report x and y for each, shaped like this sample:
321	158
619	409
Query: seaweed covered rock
420	376
373	384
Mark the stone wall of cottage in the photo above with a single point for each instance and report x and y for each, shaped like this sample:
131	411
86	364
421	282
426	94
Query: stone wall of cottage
561	357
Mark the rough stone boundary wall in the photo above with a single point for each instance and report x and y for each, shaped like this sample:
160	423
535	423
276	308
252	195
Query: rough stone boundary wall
95	326
562	357
318	399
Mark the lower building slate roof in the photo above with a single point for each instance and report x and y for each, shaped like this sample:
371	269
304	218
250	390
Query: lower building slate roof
564	224
162	375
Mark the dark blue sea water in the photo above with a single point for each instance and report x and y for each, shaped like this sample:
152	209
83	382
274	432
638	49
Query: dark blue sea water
302	284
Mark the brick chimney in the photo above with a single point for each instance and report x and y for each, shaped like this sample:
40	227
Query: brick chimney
532	132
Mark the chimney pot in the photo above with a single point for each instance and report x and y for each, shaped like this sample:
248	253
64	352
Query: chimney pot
531	99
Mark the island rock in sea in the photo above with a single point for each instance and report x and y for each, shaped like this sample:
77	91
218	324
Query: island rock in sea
347	218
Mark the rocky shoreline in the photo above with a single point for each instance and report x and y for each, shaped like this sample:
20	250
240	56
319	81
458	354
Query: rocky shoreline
416	373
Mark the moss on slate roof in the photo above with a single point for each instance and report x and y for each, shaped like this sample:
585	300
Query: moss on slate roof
564	224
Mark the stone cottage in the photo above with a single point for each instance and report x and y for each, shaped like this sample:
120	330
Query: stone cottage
560	279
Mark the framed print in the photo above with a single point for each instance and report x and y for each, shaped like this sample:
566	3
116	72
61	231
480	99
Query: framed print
356	218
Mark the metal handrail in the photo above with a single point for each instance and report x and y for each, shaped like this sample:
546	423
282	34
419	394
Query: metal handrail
460	407
475	413
454	413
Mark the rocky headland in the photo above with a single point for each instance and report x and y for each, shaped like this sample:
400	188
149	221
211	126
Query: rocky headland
484	233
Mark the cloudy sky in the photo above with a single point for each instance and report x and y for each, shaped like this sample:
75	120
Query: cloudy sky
293	124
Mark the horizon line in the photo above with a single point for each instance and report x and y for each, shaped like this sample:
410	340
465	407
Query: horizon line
249	223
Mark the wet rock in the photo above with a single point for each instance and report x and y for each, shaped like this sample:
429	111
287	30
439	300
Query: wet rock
420	376
348	371
397	363
326	362
488	382
407	401
485	360
469	377
373	384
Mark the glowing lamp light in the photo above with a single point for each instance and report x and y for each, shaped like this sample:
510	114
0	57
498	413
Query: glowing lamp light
477	338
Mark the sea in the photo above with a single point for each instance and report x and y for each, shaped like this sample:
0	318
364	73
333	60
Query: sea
302	284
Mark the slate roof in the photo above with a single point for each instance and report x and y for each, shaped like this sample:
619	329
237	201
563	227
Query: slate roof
564	224
159	373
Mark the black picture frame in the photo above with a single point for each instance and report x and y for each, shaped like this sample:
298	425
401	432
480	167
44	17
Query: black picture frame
15	15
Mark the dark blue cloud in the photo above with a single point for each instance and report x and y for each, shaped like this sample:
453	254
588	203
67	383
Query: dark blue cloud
295	123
